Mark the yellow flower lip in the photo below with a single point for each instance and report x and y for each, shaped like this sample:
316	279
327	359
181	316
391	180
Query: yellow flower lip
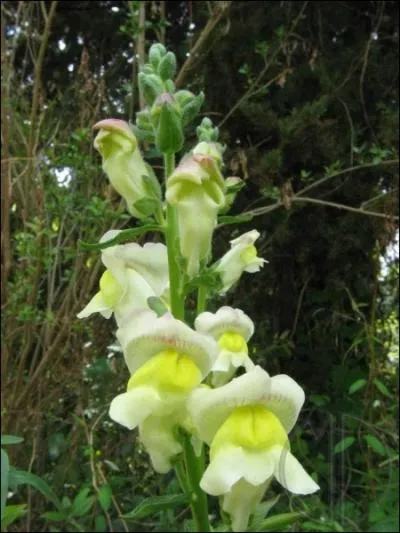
168	371
110	289
233	342
252	427
114	124
249	254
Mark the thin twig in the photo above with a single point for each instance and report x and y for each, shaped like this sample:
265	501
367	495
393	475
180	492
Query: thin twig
299	304
195	52
345	171
305	199
254	86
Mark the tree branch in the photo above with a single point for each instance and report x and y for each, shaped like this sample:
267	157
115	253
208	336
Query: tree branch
195	52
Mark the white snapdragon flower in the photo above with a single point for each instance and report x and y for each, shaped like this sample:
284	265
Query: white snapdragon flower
232	329
134	273
167	360
196	189
242	257
122	161
246	423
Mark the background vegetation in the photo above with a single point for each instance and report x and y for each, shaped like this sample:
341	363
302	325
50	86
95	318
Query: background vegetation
306	98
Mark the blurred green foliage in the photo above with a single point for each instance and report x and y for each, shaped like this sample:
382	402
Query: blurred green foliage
293	105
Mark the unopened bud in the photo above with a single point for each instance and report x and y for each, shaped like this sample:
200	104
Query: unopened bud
167	66
156	53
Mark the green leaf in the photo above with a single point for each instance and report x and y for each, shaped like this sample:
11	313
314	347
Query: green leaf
279	521
112	465
82	503
319	399
156	504
147	205
125	235
5	465
104	497
357	385
54	516
382	388
21	477
234	219
261	513
342	445
375	444
11	513
151	183
10	439
157	305
100	523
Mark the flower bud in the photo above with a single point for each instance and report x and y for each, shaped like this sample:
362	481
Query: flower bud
151	86
206	132
234	184
169	134
212	150
192	109
167	66
196	188
156	53
122	161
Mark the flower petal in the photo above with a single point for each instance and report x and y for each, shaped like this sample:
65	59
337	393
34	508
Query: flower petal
241	257
241	502
291	474
232	463
96	305
225	319
280	394
143	335
150	261
131	408
157	436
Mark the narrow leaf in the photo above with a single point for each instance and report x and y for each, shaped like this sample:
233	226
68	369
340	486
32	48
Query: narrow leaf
261	513
54	516
357	385
155	505
375	444
125	235
147	205
104	497
382	388
11	513
10	439
21	477
4	480
157	305
277	522
342	445
80	502
233	219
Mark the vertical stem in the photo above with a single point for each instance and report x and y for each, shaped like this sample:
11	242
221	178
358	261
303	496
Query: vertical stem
172	238
141	44
195	470
201	300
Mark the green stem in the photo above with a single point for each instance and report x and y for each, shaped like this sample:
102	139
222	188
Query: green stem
201	300
189	479
172	238
195	470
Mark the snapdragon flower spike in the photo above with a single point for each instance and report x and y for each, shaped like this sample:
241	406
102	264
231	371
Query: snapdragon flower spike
242	257
246	423
232	329
197	190
167	361
122	161
134	273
